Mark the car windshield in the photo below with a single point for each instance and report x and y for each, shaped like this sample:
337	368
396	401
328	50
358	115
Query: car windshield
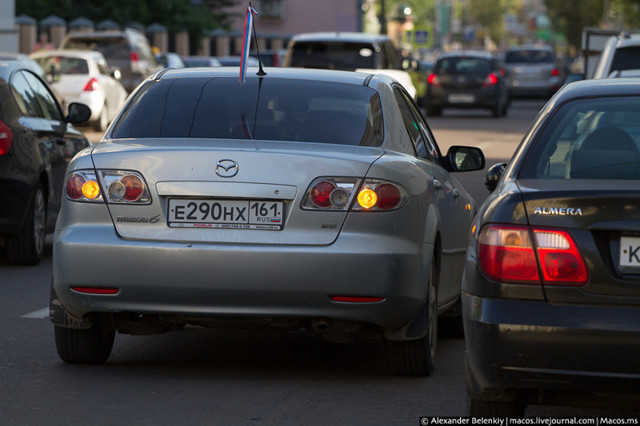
267	108
333	55
463	65
63	65
589	139
626	58
528	57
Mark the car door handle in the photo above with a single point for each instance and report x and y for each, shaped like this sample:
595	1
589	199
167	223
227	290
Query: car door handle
437	184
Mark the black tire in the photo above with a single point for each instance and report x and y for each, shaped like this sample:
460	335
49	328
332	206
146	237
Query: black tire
479	408
90	346
451	326
27	247
100	125
415	357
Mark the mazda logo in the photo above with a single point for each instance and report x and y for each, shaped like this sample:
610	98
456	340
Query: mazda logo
226	168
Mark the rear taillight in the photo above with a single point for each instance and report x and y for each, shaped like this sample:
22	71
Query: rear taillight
491	80
555	72
339	194
433	79
114	186
6	138
91	85
517	254
134	57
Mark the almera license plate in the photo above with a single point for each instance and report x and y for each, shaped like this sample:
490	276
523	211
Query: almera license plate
630	254
226	214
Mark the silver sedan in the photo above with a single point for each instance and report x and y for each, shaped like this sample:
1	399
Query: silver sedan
301	199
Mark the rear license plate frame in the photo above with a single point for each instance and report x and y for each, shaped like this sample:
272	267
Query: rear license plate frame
220	213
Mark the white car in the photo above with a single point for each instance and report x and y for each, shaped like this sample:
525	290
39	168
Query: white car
84	76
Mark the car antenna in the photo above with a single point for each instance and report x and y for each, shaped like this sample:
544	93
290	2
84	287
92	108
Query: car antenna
260	72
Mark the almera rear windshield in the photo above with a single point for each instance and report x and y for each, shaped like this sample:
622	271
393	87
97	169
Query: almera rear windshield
591	138
275	109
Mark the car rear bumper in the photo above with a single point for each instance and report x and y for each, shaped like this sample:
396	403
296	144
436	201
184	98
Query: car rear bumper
241	280
515	345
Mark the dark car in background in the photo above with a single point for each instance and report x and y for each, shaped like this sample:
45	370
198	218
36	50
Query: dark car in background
37	142
128	50
467	79
551	287
532	71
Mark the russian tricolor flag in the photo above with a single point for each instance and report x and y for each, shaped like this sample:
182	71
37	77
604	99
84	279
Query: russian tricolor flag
246	42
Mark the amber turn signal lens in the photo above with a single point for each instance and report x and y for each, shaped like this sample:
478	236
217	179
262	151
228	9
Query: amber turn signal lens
367	198
90	189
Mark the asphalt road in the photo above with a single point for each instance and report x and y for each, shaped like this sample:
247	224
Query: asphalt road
199	376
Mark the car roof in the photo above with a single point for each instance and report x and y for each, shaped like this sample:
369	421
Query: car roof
348	77
341	36
8	66
468	53
598	88
72	53
529	47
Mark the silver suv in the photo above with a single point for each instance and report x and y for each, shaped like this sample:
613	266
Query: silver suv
620	54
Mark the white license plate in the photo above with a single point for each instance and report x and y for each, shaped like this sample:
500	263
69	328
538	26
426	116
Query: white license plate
630	252
461	98
226	214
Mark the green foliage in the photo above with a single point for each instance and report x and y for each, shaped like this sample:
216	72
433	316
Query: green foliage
570	17
490	15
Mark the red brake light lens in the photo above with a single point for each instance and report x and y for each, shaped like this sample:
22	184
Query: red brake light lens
133	187
91	85
6	138
73	188
320	194
490	80
507	254
134	57
389	196
433	79
555	72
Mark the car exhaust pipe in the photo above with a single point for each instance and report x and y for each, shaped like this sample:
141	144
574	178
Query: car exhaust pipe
320	324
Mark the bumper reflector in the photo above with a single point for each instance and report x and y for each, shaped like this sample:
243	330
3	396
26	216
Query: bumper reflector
96	290
356	299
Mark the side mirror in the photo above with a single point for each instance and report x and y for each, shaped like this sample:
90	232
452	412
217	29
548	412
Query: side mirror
465	158
115	73
494	175
78	113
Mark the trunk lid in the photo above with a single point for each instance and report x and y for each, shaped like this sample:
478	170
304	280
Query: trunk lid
599	215
178	169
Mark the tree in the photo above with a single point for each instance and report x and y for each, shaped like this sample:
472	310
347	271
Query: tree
570	17
488	14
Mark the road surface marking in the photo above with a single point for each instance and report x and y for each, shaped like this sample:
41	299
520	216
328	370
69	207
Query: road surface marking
41	313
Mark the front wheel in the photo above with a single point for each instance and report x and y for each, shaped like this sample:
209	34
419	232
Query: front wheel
415	357
90	346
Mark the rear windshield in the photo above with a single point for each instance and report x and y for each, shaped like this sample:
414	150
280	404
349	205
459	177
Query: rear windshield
63	65
589	139
111	48
277	109
462	65
333	55
528	57
626	58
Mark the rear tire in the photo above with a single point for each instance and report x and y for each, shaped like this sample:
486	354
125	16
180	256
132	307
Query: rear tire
415	357
90	346
480	408
102	122
27	247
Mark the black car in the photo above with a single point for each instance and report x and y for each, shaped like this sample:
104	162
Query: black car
470	79
551	287
36	143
